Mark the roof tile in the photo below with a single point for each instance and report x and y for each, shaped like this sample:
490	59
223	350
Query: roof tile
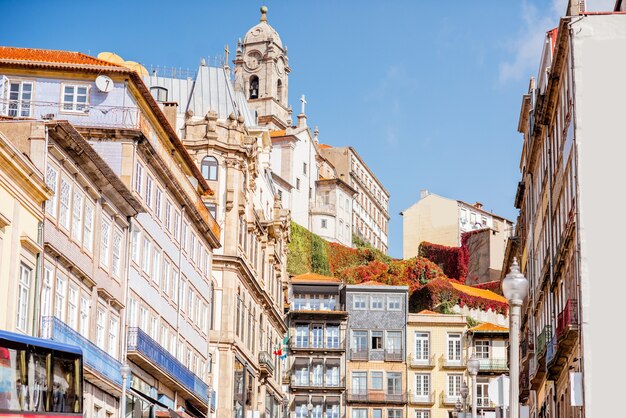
50	56
314	277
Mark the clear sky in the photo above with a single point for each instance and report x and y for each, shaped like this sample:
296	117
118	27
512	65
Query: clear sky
428	92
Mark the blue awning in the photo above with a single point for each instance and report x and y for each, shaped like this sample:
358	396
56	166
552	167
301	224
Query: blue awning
38	342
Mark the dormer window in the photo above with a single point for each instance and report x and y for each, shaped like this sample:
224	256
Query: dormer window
254	87
159	93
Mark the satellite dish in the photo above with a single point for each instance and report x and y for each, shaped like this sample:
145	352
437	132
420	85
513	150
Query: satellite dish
104	83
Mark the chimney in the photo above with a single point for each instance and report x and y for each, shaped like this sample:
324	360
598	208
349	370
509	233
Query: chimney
478	205
424	193
170	109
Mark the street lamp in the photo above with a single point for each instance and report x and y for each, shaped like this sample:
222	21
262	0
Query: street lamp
472	367
457	407
464	393
125	371
209	395
515	289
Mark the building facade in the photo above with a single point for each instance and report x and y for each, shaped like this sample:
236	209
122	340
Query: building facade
436	361
166	298
376	350
316	372
568	120
370	219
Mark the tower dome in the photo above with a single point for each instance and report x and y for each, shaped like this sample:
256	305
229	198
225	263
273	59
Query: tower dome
262	32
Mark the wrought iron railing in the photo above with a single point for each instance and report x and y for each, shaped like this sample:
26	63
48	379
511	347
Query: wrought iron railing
422	398
543	338
567	318
359	355
453	363
317	345
376	397
393	354
321	383
551	349
139	341
93	356
266	360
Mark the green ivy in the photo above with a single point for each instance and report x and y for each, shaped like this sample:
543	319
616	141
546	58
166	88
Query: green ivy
308	252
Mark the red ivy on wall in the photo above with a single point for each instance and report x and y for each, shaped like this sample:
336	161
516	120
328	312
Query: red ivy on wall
453	260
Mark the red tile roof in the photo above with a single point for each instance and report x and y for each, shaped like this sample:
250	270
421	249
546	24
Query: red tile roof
50	56
314	277
325	146
488	327
274	134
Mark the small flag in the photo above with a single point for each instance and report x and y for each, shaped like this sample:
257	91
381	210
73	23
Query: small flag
278	352
286	340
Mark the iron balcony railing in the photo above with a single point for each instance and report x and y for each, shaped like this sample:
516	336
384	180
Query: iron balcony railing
421	398
265	360
359	355
484	403
551	349
329	344
448	399
376	397
393	354
95	115
422	362
139	341
93	356
543	338
492	364
567	318
323	383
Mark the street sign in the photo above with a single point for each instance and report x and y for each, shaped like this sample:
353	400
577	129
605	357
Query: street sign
499	390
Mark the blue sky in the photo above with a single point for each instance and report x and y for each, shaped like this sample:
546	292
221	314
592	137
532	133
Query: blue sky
428	92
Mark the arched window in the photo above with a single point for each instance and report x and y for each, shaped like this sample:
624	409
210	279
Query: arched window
254	87
209	167
159	93
279	90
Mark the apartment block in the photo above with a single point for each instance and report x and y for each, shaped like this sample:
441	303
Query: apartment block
376	350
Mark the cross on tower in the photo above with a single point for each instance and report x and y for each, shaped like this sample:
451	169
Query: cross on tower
303	100
226	52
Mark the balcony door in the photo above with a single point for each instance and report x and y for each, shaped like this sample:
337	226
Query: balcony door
302	335
422	385
317	336
359	383
454	347
422	347
332	336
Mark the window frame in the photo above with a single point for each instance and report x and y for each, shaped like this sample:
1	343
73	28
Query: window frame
76	107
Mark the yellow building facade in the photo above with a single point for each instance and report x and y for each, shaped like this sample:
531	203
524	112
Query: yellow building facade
436	363
22	194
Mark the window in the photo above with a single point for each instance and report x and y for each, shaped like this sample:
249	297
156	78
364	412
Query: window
148	196
165	283
117	252
100	324
59	299
168	215
394	342
394	413
317	373
304	168
76	99
138	178
422	384
359	382
113	331
23	297
159	93
85	306
422	414
332	336
377	380
360	302
145	256
298	184
51	181
88	227
64	209
105	231
176	226
324	223
359	340
454	347
156	265
46	293
377	340
394	383
359	413
77	216
376	302
73	308
158	202
482	349
254	87
394	303
212	208
209	168
317	336
454	386
422	346
20	96
482	394
377	413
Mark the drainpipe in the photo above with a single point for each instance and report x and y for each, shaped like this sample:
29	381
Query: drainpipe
180	279
40	257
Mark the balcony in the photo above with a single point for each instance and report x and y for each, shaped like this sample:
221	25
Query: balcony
543	338
446	399
266	364
359	355
524	384
539	361
322	385
484	403
320	208
423	363
319	346
92	115
150	356
527	345
394	355
316	308
376	397
568	324
100	368
492	365
452	363
428	399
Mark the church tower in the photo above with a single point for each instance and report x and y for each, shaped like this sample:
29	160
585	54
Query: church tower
262	74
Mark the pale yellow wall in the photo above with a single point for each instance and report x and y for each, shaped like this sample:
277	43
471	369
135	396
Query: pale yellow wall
433	219
438	326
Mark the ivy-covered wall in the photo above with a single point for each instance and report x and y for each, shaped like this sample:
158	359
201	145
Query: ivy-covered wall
308	252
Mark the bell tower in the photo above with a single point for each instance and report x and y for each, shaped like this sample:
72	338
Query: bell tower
262	74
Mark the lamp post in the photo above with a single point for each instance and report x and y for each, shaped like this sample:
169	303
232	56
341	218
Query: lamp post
464	393
209	395
457	408
125	372
472	367
515	289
